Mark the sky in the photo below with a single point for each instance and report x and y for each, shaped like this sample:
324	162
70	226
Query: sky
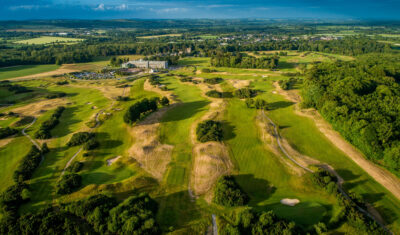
214	9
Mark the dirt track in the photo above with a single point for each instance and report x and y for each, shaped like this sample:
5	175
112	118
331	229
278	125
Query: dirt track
382	176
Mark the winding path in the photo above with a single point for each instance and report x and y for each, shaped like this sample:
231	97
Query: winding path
326	167
29	137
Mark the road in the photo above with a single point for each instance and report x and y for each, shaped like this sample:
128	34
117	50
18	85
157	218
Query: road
326	167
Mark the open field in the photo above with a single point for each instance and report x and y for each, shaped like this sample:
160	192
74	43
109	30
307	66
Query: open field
48	40
160	36
25	70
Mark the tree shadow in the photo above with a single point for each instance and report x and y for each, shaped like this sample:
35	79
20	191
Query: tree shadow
257	189
387	214
350	185
372	197
96	177
105	142
279	105
182	111
177	210
66	121
285	65
347	175
228	130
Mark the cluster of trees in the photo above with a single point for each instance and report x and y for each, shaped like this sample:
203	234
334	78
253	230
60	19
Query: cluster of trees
240	60
155	80
351	204
86	138
97	214
288	84
247	221
116	62
172	60
75	167
28	165
14	196
56	95
257	104
135	215
361	100
48	125
213	80
209	130
214	94
140	109
7	131
68	183
17	89
228	193
245	93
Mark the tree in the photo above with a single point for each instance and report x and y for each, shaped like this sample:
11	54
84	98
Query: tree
164	101
209	130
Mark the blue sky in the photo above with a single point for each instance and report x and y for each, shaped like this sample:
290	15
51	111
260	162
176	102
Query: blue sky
160	9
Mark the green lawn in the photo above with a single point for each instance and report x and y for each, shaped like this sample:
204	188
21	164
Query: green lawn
25	70
175	130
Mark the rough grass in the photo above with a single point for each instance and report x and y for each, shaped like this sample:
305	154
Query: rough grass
25	70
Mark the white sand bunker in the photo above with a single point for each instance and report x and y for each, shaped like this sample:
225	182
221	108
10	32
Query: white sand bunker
112	160
290	202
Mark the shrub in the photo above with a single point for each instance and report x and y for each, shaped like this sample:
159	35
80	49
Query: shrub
62	82
137	110
228	193
23	121
164	101
56	95
68	183
209	131
75	167
80	138
6	132
214	94
12	197
91	144
213	80
244	93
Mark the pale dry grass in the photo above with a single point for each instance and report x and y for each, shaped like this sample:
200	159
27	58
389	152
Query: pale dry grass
211	159
37	108
152	155
384	177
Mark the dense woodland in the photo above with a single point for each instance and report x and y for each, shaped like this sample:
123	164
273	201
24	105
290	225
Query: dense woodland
244	61
361	99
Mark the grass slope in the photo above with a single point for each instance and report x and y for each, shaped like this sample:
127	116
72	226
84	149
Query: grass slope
25	70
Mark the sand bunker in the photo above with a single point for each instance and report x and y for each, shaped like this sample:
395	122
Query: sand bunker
290	202
112	160
238	84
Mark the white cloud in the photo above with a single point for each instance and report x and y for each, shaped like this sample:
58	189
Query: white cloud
100	7
171	10
122	7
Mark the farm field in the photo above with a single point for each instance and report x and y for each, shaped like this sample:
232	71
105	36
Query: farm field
25	70
49	40
159	153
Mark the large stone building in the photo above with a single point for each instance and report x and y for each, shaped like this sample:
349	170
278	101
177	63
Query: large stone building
146	64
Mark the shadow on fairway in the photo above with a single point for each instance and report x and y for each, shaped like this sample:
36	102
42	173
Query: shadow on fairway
177	210
105	142
66	121
279	105
257	189
228	130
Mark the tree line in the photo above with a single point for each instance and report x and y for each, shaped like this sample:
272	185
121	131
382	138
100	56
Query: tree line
240	60
361	99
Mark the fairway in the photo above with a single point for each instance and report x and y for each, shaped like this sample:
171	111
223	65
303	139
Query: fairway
49	40
25	70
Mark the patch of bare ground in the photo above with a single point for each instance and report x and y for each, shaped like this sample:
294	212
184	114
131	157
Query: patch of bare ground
211	159
238	84
60	71
384	177
152	155
4	142
36	108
